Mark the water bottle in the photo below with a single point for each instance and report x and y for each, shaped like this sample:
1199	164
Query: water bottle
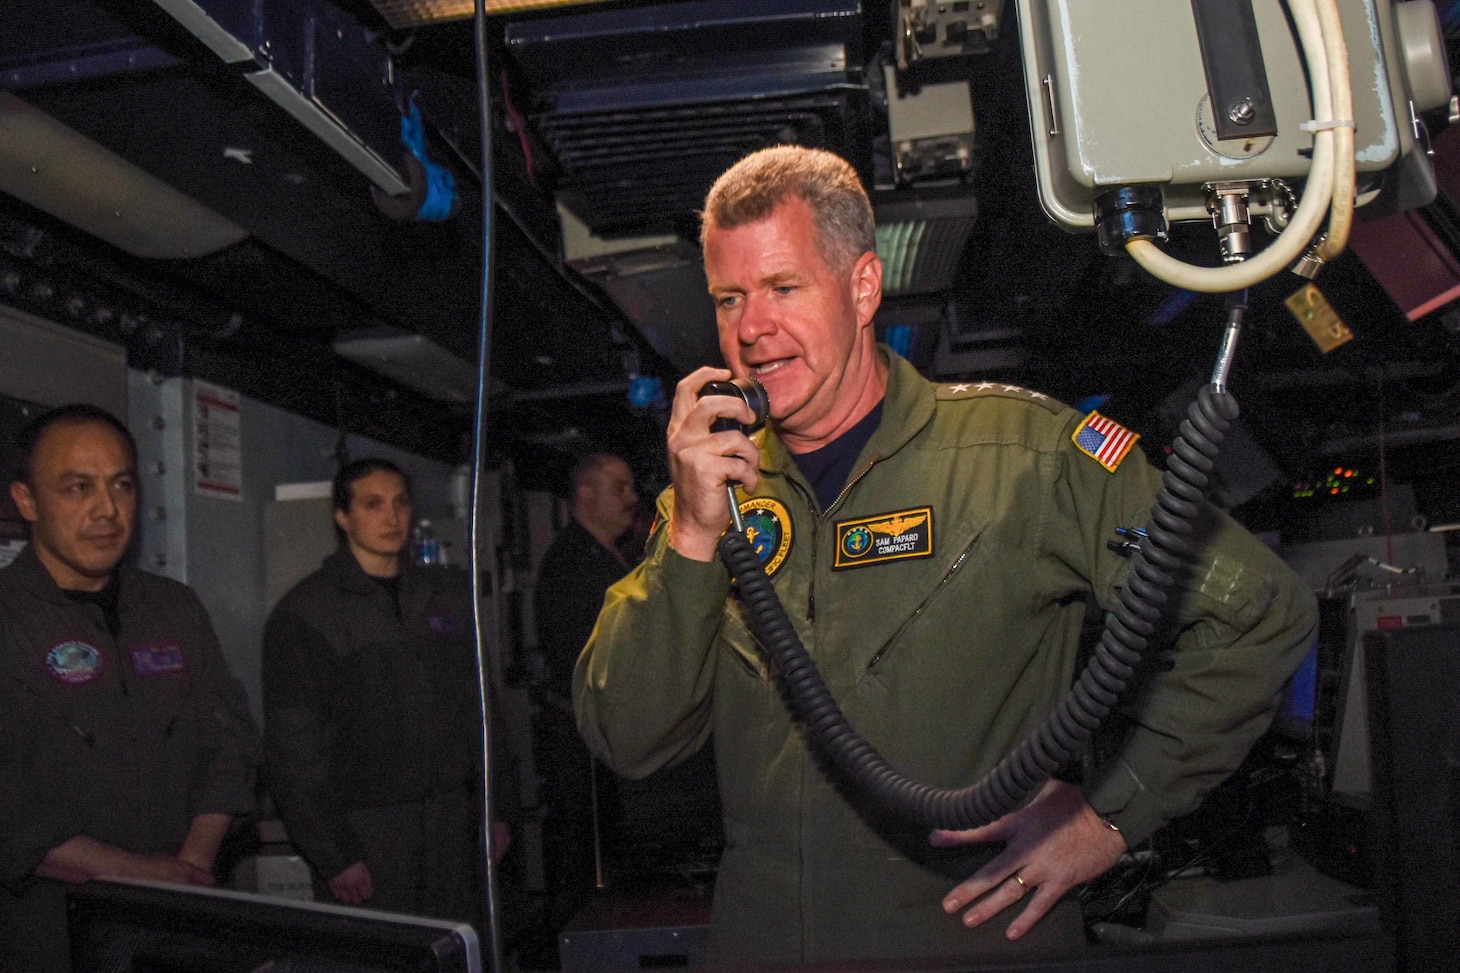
427	547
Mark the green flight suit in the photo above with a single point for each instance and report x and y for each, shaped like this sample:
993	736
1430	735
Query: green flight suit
943	650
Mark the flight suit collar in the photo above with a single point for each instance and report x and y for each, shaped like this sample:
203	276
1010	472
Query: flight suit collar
907	407
33	578
345	572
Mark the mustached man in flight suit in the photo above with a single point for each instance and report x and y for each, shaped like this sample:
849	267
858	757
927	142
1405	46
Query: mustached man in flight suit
126	746
933	545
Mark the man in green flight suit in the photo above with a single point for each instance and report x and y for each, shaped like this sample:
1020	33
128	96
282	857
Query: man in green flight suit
933	547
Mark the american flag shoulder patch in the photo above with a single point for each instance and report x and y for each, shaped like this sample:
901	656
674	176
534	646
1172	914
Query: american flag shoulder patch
1104	440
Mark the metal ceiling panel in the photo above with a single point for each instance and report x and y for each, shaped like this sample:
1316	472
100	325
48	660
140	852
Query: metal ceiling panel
642	109
602	50
647	170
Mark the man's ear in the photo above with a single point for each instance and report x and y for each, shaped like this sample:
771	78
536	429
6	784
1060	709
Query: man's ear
867	286
341	521
24	500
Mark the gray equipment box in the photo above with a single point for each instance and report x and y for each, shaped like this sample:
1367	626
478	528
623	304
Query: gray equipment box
1117	96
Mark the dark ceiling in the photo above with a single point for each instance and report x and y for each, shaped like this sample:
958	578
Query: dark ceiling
622	113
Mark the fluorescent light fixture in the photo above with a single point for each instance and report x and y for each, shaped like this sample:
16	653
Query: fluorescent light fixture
401	14
57	169
414	361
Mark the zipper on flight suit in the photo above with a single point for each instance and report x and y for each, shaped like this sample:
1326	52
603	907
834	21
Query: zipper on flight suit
821	521
952	570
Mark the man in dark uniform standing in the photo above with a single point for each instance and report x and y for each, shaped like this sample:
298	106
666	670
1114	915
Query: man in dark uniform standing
582	562
126	746
577	569
372	730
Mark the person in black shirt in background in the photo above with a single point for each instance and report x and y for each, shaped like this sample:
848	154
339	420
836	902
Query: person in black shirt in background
584	559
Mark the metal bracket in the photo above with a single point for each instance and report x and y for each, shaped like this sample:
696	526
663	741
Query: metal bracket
1236	76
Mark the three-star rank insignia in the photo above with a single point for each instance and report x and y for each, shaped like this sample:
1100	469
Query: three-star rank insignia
952	391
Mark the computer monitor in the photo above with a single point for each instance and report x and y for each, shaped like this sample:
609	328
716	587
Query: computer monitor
153	927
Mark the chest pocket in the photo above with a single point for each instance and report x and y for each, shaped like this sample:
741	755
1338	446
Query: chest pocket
370	663
869	613
951	572
157	671
737	642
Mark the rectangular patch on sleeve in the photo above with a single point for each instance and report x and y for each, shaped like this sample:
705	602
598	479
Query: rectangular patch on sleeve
885	537
160	657
1104	440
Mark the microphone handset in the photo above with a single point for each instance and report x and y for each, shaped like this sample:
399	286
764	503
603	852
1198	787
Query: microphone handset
747	390
752	393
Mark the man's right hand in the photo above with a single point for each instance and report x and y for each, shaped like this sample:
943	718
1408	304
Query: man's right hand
354	885
701	462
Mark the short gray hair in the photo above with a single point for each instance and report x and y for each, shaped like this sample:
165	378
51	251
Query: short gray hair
753	187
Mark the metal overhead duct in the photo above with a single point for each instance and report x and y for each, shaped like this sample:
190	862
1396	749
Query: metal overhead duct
642	109
658	282
318	64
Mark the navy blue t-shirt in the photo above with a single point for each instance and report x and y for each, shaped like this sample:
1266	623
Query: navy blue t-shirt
827	468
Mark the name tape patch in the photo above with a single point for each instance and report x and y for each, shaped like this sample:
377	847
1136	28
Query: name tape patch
885	537
157	658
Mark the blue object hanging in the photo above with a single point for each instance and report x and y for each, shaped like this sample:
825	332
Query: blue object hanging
440	184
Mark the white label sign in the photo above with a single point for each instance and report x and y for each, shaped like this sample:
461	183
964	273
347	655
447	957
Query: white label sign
217	442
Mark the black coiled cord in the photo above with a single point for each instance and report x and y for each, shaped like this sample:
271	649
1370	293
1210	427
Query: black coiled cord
1156	563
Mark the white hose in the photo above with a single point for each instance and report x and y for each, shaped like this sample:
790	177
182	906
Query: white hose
1341	216
1317	194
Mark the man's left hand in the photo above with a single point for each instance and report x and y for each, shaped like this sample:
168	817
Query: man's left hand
1053	843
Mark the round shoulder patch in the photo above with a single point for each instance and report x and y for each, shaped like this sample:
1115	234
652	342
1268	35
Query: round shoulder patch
74	662
768	528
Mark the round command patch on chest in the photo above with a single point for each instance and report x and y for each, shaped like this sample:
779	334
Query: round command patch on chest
856	542
74	662
768	528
